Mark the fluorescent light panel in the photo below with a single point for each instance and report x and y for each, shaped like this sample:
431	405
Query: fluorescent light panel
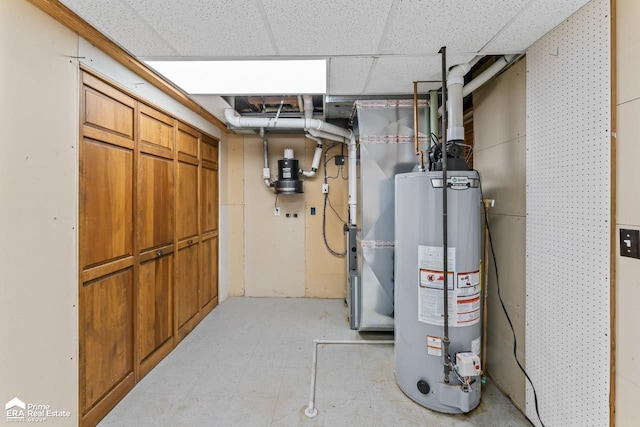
246	77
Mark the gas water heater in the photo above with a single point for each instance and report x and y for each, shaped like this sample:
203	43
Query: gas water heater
445	381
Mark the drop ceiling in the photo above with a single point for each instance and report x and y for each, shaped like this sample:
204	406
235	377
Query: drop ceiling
372	47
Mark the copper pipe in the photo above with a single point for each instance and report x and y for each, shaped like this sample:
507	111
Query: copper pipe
415	127
485	285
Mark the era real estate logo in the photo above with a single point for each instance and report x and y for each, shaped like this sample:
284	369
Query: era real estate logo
20	412
15	410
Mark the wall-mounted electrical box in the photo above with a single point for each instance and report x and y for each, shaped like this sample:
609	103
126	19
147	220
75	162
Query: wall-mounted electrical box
629	240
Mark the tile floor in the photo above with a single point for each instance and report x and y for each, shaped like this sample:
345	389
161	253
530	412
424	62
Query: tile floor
249	364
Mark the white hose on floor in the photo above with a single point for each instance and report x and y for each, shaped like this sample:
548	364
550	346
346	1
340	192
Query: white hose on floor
311	410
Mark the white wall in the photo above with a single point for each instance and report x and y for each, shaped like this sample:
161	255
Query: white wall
276	256
627	316
499	118
39	125
232	216
38	211
569	218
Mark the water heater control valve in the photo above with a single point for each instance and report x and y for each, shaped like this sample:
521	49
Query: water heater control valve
468	364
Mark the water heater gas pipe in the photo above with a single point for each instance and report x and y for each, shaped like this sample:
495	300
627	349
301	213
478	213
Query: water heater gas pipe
445	244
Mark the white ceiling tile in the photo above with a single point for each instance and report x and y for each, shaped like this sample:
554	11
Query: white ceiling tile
422	27
535	21
397	74
120	23
348	75
404	34
229	28
318	27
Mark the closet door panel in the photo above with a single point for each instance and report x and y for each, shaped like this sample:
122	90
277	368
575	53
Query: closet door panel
106	335
187	199
209	200
106	193
154	305
209	276
155	202
187	283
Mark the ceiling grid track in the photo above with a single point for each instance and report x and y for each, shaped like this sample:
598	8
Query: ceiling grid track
267	24
149	27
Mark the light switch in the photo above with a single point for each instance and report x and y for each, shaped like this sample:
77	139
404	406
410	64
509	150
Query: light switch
629	240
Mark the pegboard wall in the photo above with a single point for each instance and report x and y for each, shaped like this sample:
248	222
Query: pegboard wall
568	220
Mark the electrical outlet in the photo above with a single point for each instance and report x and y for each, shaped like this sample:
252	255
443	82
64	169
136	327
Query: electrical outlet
276	211
325	188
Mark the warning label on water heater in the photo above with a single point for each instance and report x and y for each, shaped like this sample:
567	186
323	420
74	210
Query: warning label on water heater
434	345
463	289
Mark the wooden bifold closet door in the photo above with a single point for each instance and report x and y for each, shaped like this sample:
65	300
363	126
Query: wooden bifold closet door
107	255
155	225
187	229
148	240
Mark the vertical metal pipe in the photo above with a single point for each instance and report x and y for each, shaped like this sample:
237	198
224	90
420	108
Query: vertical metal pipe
415	127
445	243
427	124
434	113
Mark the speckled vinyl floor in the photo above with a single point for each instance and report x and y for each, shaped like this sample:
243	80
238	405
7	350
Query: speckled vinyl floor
249	364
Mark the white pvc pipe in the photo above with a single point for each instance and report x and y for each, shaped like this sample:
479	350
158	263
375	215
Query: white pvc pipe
266	171
487	74
308	106
484	77
315	127
236	120
329	136
316	157
311	410
455	81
